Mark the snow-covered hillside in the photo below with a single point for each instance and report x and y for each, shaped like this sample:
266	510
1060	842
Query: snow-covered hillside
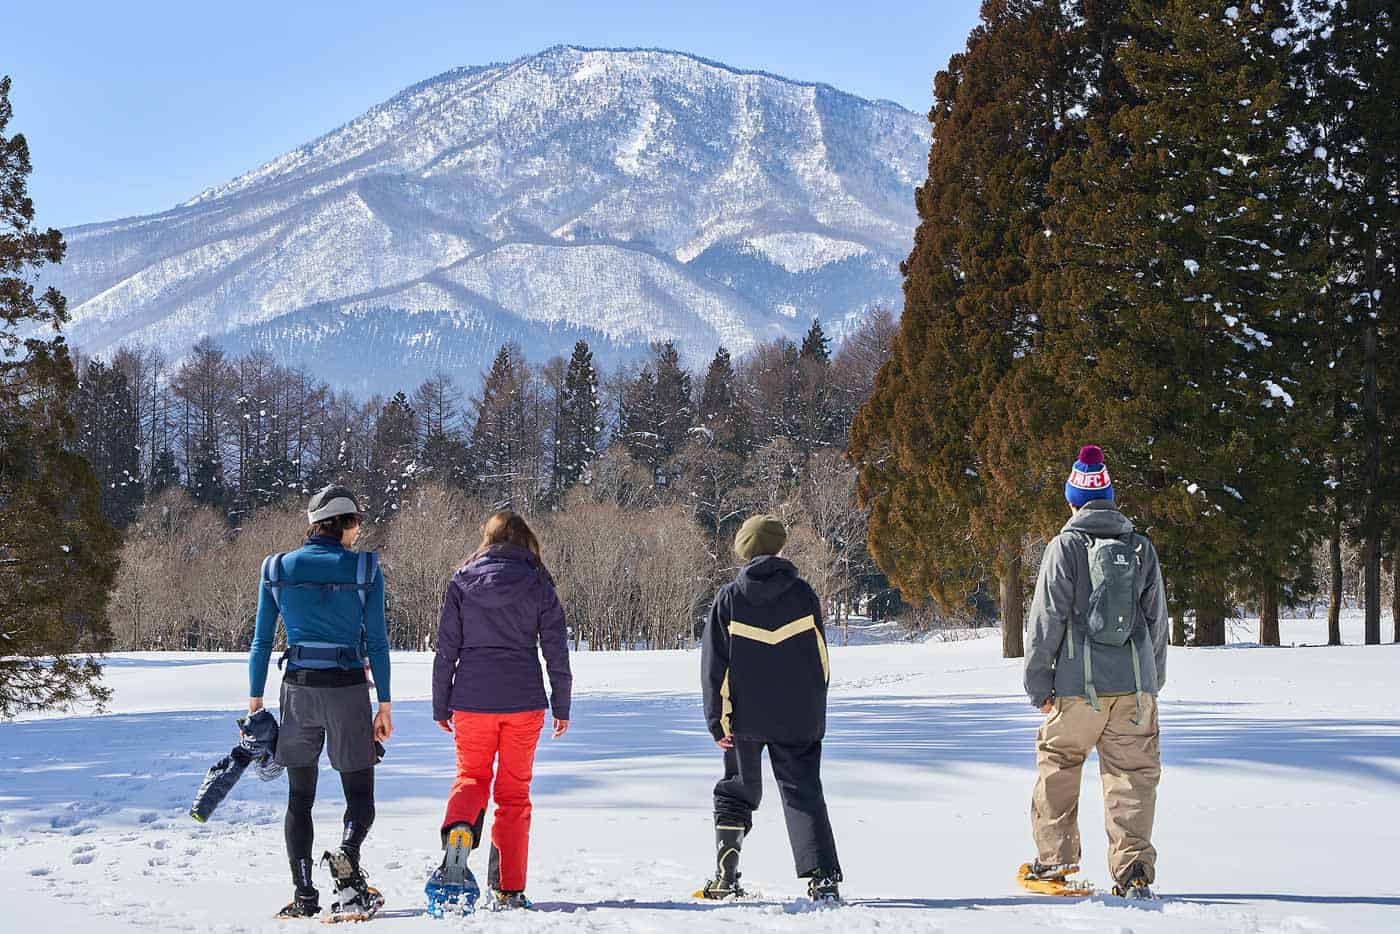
1276	809
622	195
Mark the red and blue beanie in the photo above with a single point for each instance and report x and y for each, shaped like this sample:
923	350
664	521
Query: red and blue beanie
1089	479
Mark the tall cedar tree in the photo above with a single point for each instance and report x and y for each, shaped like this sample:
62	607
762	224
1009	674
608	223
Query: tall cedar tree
109	438
580	418
1356	53
1177	328
939	523
58	554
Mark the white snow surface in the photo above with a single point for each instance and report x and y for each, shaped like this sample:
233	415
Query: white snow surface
1276	811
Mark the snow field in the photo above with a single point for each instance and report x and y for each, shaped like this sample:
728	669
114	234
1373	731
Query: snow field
1275	814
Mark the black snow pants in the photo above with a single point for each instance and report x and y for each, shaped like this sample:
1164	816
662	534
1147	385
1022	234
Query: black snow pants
798	772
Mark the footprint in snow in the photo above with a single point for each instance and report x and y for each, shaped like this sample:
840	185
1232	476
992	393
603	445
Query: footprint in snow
82	859
40	871
148	817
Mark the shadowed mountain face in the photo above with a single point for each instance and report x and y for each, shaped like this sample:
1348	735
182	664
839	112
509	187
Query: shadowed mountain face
621	196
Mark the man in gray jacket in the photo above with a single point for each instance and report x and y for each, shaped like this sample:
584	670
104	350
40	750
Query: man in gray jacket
1095	663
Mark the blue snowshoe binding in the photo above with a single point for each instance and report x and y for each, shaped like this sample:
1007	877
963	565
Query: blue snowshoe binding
452	888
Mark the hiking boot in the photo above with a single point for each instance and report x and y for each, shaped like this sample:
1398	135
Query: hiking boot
304	904
821	887
355	898
512	901
1134	884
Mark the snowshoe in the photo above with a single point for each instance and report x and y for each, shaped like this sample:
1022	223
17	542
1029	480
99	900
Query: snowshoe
822	888
1052	879
511	901
720	889
302	905
453	888
1134	885
355	898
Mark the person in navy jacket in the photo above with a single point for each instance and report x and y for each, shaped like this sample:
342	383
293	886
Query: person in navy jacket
765	677
500	612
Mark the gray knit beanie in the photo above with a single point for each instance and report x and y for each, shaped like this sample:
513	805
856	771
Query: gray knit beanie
760	535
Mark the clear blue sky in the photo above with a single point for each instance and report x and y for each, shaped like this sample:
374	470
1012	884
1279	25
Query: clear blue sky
131	108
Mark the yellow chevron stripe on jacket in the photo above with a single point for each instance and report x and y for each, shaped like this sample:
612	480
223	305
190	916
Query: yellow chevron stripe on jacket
783	633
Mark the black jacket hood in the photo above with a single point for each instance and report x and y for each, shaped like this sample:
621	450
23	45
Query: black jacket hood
766	578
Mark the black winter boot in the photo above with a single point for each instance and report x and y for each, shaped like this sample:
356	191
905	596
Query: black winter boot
729	841
822	886
306	902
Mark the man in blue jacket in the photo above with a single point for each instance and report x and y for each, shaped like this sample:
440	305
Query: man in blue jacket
765	676
331	600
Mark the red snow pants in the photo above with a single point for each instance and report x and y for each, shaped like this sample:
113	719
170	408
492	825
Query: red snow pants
506	741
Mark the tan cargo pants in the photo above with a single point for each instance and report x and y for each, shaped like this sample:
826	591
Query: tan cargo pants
1130	765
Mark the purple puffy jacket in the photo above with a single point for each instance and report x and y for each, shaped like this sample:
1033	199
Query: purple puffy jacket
499	611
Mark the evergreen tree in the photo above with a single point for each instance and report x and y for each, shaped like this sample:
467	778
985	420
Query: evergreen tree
637	421
580	421
206	476
1356	55
58	554
722	412
109	437
940	519
504	450
165	472
1176	328
816	346
675	414
394	456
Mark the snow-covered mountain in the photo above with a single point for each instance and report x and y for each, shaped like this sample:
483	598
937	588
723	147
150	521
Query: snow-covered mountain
623	196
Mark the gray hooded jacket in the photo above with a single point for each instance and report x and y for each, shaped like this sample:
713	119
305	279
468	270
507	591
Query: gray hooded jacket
1062	596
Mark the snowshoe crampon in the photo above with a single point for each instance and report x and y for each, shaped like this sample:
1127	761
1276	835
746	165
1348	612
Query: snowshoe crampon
301	906
355	898
1134	885
823	890
719	889
1053	880
452	888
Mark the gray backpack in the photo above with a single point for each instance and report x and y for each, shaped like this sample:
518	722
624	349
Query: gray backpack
1111	619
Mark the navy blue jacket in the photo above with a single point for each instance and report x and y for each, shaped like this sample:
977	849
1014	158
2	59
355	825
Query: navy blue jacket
499	612
764	663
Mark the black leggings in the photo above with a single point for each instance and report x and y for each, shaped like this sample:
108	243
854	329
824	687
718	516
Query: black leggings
301	795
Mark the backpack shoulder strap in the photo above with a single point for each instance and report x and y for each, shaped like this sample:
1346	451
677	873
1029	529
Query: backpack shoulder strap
365	568
272	577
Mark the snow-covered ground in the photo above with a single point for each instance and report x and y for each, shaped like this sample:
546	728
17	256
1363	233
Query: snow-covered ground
1277	808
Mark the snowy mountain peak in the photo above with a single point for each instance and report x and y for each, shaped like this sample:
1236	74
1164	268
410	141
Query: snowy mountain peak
622	195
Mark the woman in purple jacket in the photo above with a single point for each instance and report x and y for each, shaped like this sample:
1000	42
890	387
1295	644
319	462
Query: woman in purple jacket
500	610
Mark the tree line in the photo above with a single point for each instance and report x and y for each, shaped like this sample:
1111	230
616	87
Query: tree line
638	478
1169	228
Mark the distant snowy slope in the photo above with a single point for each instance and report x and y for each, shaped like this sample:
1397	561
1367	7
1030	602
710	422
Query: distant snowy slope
632	195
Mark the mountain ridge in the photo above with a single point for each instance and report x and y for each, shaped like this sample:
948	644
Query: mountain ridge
641	194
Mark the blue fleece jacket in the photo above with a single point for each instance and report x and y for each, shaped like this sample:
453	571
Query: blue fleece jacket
314	615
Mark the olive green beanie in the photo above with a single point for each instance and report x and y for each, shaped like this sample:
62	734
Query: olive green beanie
760	535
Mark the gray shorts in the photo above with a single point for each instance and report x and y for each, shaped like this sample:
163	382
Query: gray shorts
338	718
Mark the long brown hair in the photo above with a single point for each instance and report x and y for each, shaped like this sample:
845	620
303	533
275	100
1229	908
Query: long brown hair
507	528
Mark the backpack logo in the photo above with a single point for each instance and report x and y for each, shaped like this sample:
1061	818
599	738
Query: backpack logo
1121	560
